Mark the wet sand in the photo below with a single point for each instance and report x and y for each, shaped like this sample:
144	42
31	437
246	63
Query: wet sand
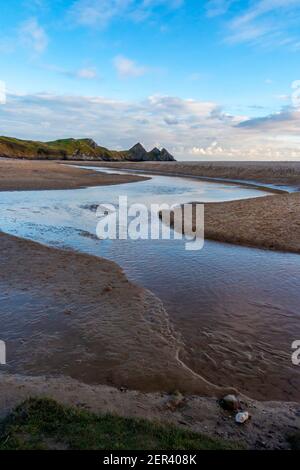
65	313
273	173
22	175
73	315
270	424
271	222
77	315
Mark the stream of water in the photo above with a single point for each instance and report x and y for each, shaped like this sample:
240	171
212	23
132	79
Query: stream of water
236	308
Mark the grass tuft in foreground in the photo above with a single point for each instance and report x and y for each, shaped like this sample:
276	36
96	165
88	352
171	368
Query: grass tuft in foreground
45	424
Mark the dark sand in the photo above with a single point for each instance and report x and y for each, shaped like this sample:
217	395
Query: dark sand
275	173
21	175
271	222
72	314
79	316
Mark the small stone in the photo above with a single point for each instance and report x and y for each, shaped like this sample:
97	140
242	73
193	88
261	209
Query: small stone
107	289
230	403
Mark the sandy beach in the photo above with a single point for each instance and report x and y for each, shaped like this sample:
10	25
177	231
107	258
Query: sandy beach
121	329
258	222
78	315
262	173
24	175
149	230
110	343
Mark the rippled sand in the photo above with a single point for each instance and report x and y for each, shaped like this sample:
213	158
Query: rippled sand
73	314
61	317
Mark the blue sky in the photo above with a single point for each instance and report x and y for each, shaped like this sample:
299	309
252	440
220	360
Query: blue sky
207	79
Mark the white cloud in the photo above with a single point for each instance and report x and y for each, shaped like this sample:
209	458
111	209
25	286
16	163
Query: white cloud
286	121
87	73
2	92
33	36
283	97
101	12
98	12
35	5
268	23
128	68
144	9
218	7
188	128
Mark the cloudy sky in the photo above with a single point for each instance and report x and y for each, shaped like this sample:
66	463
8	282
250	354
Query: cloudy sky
208	79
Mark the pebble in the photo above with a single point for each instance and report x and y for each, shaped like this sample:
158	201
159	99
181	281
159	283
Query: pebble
230	403
242	417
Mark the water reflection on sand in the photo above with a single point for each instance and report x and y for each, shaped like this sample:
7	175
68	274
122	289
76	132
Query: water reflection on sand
236	308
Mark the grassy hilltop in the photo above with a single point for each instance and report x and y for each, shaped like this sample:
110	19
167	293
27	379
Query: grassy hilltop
76	149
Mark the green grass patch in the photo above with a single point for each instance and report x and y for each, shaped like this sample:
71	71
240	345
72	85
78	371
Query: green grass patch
45	424
57	149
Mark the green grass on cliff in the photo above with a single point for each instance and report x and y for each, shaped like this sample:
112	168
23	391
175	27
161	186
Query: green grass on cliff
13	146
45	424
57	149
86	146
76	149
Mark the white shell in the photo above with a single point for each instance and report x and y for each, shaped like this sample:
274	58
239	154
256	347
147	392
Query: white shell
241	417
